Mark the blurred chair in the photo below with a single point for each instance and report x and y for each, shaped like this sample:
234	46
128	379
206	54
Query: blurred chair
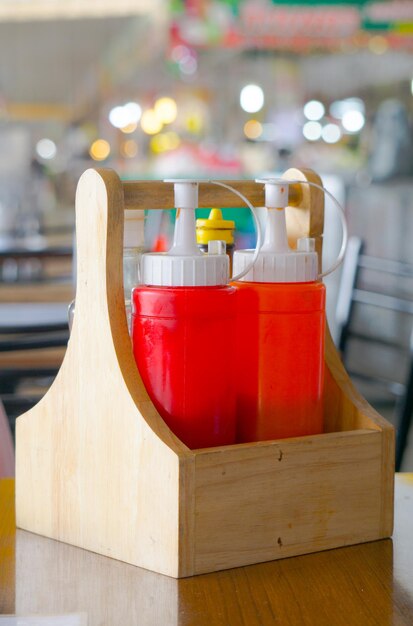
6	446
355	292
35	289
30	357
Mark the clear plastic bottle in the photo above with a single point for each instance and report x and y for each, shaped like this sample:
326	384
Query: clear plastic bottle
133	247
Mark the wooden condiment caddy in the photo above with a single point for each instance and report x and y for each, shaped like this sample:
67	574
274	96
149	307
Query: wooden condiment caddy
98	468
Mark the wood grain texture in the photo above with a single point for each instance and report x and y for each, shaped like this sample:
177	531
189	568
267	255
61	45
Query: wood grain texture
305	218
159	195
346	409
90	470
287	498
365	585
98	468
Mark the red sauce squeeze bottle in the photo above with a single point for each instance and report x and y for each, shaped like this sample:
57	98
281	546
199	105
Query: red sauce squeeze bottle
183	332
280	333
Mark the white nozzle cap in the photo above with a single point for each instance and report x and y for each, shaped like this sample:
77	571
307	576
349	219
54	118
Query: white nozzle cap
276	192
185	265
186	192
276	262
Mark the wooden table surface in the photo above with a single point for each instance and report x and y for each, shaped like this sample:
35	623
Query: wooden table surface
41	292
37	314
366	585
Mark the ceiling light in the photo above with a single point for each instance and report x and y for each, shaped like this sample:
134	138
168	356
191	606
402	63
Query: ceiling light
130	128
251	98
312	131
122	116
133	111
331	133
339	107
314	110
46	149
252	129
353	121
129	148
150	122
99	150
118	117
166	110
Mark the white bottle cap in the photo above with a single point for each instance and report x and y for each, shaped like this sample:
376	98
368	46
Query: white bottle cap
133	232
276	262
184	265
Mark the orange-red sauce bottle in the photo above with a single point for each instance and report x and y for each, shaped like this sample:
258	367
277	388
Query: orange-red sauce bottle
280	334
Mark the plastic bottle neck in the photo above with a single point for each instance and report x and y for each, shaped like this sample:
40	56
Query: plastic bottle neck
184	243
276	239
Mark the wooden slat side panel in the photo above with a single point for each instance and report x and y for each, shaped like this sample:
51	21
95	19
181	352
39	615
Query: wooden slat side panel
294	497
344	408
186	514
340	413
96	466
387	481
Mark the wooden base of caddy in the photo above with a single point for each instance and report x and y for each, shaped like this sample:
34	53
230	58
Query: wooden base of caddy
98	468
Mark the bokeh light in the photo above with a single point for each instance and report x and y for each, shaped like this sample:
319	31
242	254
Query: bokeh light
378	44
46	149
331	133
340	107
123	116
99	150
252	129
353	121
251	98
312	131
314	110
163	142
166	110
150	122
129	128
129	148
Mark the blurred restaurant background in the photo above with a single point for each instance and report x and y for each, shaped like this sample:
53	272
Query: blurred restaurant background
229	89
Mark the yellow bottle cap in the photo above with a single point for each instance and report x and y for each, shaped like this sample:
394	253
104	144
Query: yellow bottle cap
214	227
